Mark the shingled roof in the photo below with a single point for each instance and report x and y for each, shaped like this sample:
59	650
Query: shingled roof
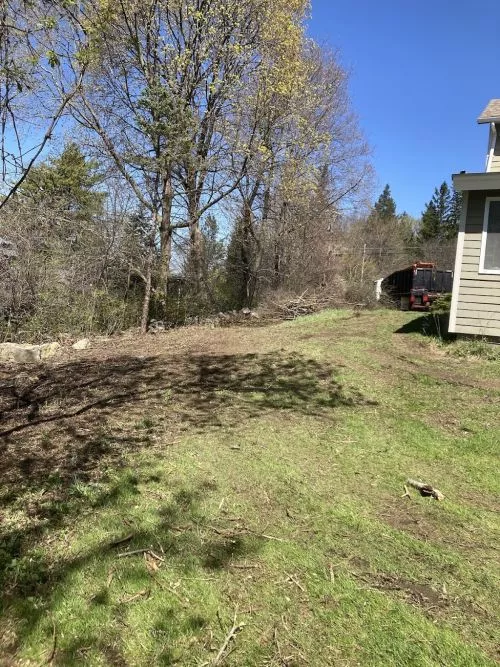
491	113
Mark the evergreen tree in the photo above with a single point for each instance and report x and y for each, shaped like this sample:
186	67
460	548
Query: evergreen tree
385	206
441	215
454	214
429	228
67	183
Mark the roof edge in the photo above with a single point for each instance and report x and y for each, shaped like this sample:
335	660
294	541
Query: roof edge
485	180
492	119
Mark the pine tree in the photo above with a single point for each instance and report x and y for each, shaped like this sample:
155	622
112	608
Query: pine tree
437	214
385	206
453	220
66	182
429	228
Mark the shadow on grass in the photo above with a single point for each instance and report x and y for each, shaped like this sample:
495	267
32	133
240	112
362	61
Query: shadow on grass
431	324
60	423
64	425
178	533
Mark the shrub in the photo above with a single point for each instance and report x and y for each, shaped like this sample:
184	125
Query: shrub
442	304
480	348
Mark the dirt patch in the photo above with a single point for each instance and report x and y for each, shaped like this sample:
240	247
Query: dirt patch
420	594
409	519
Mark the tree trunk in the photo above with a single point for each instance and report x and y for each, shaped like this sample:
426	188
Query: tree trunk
165	237
195	236
196	259
147	293
246	258
279	247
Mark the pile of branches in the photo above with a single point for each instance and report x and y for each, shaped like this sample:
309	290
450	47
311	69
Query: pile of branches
289	307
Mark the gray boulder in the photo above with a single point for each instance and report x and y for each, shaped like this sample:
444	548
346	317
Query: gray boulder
82	344
27	354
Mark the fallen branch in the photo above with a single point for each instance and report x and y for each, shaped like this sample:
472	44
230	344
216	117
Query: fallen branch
221	655
296	582
140	552
146	592
155	556
406	494
136	552
111	574
425	490
231	534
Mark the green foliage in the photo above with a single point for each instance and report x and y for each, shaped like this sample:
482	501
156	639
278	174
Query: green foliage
385	206
53	58
442	304
65	311
479	349
169	123
66	182
441	216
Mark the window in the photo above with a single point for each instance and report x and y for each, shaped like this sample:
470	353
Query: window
490	245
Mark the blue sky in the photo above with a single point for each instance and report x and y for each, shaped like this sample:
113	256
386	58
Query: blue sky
421	73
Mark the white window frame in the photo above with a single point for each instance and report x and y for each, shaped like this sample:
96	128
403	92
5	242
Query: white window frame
484	237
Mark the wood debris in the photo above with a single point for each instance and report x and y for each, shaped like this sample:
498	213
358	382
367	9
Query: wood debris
221	655
132	598
425	490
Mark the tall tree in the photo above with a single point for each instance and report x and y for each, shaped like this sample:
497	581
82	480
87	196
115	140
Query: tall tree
165	94
441	214
385	206
66	182
310	161
454	214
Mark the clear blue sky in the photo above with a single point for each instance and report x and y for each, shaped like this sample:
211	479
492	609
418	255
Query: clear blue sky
421	73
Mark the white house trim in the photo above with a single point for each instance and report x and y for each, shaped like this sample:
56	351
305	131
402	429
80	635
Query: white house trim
458	264
484	237
491	148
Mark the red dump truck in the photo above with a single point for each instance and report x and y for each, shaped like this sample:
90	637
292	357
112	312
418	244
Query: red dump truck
416	287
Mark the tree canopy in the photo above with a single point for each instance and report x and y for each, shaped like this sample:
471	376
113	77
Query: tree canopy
385	206
441	216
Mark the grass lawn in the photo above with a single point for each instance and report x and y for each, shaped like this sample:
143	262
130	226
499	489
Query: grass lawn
157	492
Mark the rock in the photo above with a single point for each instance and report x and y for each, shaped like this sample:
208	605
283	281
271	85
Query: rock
48	350
20	354
155	326
27	354
81	344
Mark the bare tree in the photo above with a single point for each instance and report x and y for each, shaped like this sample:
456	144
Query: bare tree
43	63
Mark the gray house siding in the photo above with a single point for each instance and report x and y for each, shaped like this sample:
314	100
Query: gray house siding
478	301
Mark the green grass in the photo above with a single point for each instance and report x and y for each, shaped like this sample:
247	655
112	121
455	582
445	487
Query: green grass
265	479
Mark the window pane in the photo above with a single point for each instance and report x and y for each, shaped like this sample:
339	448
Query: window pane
492	254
